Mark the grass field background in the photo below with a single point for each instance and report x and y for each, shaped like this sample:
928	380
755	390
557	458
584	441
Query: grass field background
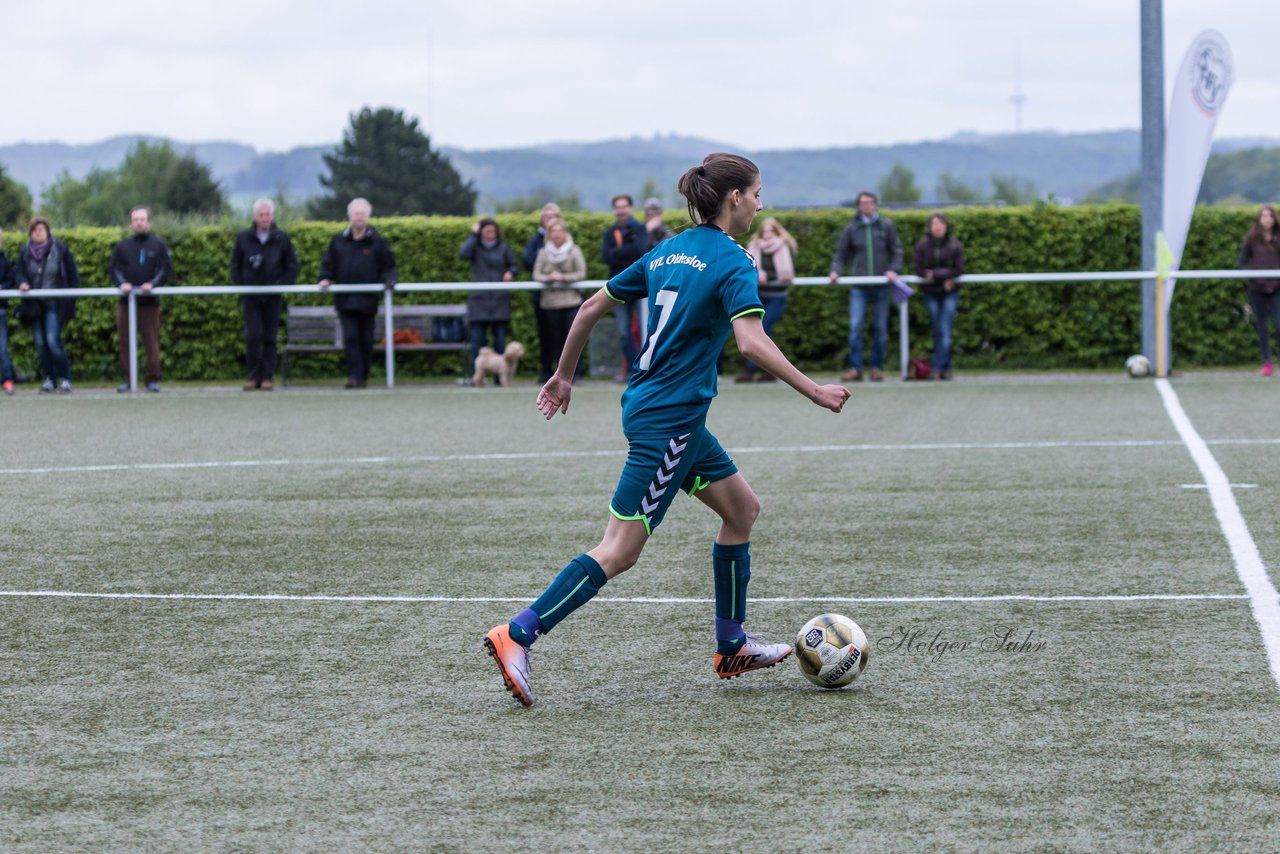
246	724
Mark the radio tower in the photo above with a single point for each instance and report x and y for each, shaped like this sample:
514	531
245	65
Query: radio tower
1017	98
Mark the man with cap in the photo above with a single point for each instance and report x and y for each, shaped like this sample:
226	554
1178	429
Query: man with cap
653	224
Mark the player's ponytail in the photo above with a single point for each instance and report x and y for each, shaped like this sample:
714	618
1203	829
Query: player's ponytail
705	187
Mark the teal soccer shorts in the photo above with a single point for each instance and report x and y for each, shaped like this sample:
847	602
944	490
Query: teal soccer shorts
656	468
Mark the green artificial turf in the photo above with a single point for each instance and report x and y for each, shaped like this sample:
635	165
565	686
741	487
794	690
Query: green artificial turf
268	724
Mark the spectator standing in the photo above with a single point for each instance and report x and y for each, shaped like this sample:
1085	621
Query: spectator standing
492	260
773	249
623	244
560	264
939	260
358	255
653	224
7	376
45	263
1261	251
263	255
140	261
868	246
546	357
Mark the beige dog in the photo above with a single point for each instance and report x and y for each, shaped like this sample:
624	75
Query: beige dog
489	362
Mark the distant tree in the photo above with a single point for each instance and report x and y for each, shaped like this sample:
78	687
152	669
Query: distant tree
386	159
533	201
100	199
1126	189
650	191
15	200
952	189
899	185
287	209
1013	190
152	174
1252	174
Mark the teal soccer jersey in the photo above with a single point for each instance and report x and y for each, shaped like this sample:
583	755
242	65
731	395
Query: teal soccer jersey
697	284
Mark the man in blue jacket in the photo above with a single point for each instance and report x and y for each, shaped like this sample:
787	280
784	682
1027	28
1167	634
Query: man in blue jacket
623	244
868	246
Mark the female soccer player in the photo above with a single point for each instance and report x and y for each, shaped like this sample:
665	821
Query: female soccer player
699	285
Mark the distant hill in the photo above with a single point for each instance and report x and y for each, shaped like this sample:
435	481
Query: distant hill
1069	166
1233	175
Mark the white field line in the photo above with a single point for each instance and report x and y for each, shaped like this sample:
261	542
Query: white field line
624	600
614	452
1263	599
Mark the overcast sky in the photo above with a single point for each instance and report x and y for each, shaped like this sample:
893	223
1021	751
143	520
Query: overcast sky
280	73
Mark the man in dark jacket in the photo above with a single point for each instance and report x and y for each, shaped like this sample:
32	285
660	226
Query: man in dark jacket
625	243
358	256
140	261
263	255
868	246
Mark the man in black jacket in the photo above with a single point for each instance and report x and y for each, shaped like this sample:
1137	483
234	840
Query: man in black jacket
868	246
263	255
625	243
140	261
358	256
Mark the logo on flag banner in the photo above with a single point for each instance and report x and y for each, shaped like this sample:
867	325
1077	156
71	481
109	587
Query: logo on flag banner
1199	93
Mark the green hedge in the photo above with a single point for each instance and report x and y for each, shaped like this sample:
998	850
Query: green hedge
1083	325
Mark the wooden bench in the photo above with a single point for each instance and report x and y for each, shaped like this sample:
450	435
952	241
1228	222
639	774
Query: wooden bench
316	329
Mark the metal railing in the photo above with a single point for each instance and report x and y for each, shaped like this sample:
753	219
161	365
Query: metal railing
435	287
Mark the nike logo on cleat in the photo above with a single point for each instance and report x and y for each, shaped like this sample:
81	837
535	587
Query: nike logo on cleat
731	663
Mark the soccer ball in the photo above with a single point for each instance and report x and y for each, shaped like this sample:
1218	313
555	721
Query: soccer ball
1137	366
831	650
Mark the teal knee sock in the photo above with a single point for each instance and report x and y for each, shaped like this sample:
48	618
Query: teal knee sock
572	588
731	566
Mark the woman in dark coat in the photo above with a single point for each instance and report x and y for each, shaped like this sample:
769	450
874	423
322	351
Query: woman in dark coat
1261	251
45	263
492	260
940	261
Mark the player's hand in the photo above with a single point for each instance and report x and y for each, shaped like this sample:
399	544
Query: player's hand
554	396
126	287
831	397
834	277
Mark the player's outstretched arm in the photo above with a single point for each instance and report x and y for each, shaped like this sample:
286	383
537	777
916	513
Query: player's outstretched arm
759	348
554	395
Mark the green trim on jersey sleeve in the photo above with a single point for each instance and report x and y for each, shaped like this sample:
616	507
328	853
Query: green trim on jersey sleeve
639	517
610	295
757	310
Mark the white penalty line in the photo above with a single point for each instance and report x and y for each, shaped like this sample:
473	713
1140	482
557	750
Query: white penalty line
1263	599
624	600
618	452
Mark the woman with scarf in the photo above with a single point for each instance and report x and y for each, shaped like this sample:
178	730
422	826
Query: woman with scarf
45	263
559	265
492	260
773	249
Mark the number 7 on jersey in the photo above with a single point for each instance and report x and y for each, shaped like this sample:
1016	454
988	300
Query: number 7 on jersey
665	301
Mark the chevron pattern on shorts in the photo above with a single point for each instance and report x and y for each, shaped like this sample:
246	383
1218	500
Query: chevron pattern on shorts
662	478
